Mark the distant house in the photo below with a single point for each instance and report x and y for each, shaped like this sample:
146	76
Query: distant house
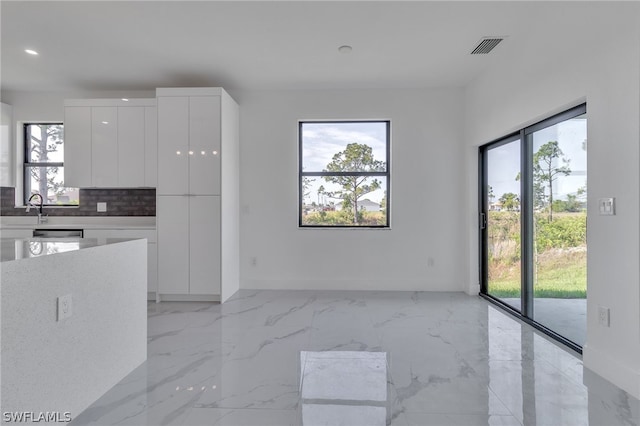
368	205
363	205
497	206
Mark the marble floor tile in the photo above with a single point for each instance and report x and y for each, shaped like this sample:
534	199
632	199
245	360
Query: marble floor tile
435	419
354	358
343	415
344	375
240	417
546	396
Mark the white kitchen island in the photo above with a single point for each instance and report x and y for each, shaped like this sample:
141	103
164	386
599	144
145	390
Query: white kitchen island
60	365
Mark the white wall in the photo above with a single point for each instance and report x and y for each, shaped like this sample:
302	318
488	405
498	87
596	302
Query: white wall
607	74
426	203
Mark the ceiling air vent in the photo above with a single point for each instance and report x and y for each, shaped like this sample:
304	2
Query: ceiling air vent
486	45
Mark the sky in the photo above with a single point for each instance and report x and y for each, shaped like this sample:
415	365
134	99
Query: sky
320	141
504	161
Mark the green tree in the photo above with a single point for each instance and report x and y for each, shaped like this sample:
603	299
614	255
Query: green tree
571	204
538	193
549	163
355	158
510	201
40	146
490	194
320	194
306	183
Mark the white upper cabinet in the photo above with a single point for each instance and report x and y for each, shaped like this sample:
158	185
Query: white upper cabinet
151	147
104	146
189	145
77	146
6	146
110	143
204	145
131	146
173	145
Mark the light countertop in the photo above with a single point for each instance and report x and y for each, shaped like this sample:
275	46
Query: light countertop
79	222
26	248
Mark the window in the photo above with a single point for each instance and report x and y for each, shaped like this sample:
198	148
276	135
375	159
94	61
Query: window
43	164
344	176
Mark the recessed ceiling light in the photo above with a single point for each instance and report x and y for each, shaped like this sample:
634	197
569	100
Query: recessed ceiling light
31	52
125	99
105	122
345	49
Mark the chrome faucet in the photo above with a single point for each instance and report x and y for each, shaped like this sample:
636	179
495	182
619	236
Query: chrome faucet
41	218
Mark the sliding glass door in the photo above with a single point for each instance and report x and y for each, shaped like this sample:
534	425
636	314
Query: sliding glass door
534	224
559	252
502	217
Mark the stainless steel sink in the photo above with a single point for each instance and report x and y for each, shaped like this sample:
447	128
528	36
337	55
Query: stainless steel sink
58	233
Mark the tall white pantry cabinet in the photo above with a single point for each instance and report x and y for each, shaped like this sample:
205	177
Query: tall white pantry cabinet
197	209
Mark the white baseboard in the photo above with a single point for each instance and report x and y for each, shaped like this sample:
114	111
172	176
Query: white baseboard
623	376
473	289
350	284
188	298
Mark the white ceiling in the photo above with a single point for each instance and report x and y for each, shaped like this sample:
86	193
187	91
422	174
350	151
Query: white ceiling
273	45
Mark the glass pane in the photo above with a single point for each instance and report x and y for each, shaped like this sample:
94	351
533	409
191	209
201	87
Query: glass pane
50	181
332	201
560	228
44	143
344	147
503	223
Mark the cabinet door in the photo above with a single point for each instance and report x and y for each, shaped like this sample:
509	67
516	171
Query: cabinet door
204	246
104	147
204	145
6	145
152	252
151	147
152	268
77	147
16	233
131	146
173	145
173	244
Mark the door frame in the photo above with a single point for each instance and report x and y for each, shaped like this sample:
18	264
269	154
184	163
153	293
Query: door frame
525	135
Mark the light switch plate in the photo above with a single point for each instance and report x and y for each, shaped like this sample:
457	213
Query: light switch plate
604	318
102	207
64	307
607	206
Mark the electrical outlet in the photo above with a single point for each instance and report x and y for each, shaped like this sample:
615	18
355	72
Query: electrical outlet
430	261
102	207
604	316
254	261
64	307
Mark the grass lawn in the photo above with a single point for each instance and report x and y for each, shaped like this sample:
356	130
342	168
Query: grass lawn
559	275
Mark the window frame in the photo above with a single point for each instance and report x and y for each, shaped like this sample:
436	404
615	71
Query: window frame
386	174
27	165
